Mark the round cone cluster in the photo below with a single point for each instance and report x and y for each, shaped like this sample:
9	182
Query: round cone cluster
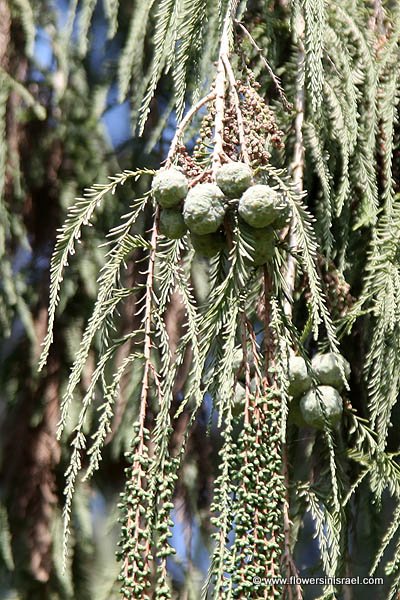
322	405
262	210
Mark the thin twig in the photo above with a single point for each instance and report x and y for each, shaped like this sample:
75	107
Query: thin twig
297	169
253	343
220	84
137	468
268	345
239	116
220	102
183	124
287	105
291	569
147	323
247	370
297	175
378	19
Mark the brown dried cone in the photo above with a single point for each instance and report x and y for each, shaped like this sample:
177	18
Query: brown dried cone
339	298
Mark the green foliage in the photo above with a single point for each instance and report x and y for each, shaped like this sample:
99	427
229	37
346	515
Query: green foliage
24	12
314	24
79	215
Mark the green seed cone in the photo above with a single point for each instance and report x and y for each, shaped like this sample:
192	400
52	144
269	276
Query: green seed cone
299	379
204	208
234	178
327	369
169	187
311	406
172	224
208	245
261	205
